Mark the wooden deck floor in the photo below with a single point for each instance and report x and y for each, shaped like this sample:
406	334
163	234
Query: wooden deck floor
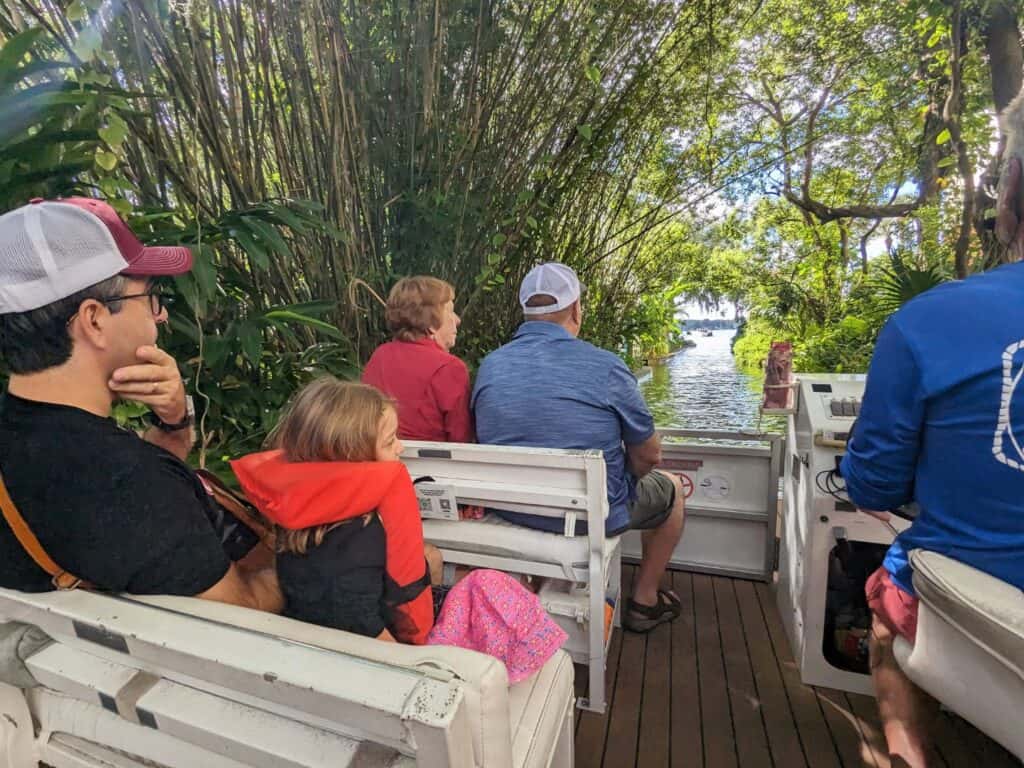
718	688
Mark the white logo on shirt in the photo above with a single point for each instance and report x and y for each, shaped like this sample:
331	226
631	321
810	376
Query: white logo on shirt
1013	370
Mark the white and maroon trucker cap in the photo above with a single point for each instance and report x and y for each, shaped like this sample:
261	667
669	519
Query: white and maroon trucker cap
549	279
50	250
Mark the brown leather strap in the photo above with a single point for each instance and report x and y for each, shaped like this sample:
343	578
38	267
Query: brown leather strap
61	579
239	506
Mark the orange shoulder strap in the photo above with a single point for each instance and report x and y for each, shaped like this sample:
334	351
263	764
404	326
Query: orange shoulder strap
61	579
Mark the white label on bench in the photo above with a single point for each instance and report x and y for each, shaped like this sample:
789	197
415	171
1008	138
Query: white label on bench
437	501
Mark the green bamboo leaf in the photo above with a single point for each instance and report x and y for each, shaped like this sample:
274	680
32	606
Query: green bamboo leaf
585	131
122	206
77	11
593	74
205	272
214	351
284	316
946	162
14	51
290	219
253	250
269	234
32	68
251	339
308	205
308	308
943	137
89	41
45	139
181	325
115	132
106	160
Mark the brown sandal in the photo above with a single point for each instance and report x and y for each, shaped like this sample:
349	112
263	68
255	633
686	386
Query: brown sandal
643	618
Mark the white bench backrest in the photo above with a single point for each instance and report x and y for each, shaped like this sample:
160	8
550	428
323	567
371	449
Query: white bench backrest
190	663
539	481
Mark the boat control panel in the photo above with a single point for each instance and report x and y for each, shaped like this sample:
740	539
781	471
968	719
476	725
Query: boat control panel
831	408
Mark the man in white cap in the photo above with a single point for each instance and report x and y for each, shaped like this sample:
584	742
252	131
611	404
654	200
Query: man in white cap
548	388
84	500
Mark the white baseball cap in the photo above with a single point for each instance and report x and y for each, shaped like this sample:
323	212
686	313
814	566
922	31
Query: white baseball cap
50	250
549	279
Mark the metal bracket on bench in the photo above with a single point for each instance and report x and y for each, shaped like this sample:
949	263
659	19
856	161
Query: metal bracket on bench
570	524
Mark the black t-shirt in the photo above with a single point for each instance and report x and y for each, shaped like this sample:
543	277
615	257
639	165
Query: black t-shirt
339	584
106	505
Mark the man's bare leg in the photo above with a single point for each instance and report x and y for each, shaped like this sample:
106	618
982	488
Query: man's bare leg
435	563
906	711
658	545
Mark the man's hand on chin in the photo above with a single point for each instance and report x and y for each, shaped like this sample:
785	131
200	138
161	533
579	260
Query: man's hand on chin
156	382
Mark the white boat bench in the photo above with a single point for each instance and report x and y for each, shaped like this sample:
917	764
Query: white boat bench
134	682
969	652
568	485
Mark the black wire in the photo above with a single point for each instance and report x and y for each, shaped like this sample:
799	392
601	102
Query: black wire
832	484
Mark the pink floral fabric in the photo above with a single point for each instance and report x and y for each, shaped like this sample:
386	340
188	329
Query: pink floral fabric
491	612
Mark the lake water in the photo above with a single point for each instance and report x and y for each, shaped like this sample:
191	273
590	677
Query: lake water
701	388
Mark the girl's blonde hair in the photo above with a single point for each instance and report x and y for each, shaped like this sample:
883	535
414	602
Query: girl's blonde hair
328	420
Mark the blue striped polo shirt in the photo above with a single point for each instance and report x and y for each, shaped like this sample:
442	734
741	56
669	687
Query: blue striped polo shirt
548	389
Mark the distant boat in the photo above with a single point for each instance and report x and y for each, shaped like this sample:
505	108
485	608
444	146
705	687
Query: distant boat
708	333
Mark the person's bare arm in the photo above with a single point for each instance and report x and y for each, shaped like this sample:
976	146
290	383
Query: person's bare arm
155	381
249	589
645	456
179	443
876	513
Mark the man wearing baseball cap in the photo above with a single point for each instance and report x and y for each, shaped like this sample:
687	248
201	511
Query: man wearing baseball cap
547	388
78	328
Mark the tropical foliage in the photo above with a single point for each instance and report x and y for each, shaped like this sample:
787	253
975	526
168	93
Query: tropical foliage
813	164
863	166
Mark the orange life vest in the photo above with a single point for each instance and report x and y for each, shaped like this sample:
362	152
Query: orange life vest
298	495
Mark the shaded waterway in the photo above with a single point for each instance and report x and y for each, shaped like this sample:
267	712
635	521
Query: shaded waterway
701	388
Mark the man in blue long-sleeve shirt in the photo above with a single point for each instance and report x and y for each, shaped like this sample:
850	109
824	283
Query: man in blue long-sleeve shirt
942	424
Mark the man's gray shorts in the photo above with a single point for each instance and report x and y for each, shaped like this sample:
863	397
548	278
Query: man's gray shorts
655	495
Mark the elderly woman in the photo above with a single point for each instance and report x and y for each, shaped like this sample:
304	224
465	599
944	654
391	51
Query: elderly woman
430	385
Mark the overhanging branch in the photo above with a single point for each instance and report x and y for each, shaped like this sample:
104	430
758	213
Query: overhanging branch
826	213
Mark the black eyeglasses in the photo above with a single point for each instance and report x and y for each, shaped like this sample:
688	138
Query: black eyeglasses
157	301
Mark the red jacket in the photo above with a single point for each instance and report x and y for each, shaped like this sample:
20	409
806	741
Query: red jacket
430	386
304	494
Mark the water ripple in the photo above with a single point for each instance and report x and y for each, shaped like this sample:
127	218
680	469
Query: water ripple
700	388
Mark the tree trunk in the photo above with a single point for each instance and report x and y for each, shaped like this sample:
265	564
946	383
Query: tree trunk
1006	59
1001	30
951	115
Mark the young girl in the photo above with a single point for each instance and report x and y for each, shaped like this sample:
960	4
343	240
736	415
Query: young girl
348	531
350	539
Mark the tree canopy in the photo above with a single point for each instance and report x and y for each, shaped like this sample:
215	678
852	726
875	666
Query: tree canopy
813	163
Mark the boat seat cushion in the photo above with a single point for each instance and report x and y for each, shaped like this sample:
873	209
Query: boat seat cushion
988	611
493	535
